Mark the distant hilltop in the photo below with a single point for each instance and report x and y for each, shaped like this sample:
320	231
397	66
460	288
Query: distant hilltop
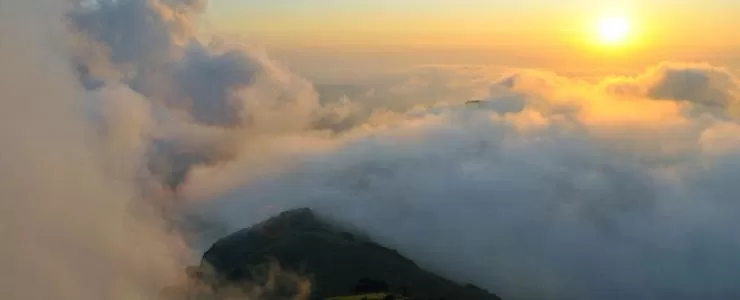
299	255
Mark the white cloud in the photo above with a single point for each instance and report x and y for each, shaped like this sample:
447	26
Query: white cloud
580	194
70	229
547	187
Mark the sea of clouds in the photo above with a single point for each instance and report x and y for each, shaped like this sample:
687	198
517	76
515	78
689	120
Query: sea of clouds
132	140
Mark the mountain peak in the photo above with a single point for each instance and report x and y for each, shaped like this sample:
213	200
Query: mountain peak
334	260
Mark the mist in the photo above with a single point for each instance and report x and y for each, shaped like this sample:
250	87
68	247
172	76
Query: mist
72	228
133	138
550	188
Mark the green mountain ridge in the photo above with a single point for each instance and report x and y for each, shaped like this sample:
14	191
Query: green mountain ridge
300	255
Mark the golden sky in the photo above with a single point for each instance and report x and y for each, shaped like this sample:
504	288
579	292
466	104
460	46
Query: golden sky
475	23
561	35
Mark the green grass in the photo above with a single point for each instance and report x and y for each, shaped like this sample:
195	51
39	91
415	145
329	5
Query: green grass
374	296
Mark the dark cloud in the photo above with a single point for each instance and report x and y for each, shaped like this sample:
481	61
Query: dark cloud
210	81
707	89
703	86
172	160
150	46
132	30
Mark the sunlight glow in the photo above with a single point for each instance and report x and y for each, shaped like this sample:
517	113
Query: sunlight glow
614	30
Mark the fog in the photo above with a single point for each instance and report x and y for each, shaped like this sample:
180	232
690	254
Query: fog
132	139
72	228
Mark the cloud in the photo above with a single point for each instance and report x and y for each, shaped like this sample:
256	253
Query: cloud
210	98
558	189
142	131
209	82
72	228
98	122
706	88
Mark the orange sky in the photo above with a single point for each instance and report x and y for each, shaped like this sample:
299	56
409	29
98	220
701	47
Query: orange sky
559	35
474	23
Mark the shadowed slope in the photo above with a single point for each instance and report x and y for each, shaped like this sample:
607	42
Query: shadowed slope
334	259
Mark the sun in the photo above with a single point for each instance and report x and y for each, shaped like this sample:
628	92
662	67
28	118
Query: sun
614	30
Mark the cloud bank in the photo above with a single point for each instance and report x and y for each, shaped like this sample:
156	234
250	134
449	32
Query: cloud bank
72	228
145	131
548	188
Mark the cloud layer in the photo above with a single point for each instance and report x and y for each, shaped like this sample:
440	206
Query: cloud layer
145	130
550	188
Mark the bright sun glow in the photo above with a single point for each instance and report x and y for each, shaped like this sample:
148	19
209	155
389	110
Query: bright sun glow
614	30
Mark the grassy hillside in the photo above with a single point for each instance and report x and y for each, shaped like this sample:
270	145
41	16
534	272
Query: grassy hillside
332	260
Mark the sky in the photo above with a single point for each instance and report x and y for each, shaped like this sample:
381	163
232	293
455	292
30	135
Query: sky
313	35
474	23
